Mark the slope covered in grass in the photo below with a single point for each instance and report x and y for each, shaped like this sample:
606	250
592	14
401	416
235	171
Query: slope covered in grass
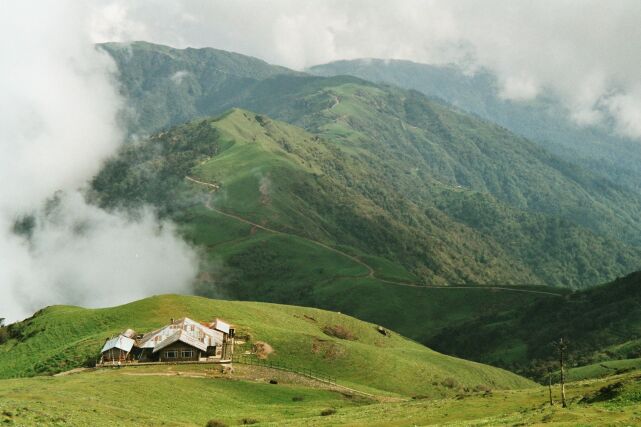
127	398
61	337
115	397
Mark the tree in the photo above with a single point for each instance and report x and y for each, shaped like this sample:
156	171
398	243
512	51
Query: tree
562	348
4	334
550	385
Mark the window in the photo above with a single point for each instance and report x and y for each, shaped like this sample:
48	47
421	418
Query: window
187	354
171	354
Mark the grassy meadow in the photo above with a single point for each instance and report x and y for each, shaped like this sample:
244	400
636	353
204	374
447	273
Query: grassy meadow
193	395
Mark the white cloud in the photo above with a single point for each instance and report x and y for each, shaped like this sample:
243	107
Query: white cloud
626	111
582	50
80	254
516	88
58	124
179	76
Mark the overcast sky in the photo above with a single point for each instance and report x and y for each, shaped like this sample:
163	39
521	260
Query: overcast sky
586	51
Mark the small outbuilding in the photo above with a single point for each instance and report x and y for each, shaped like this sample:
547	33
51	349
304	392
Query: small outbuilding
117	350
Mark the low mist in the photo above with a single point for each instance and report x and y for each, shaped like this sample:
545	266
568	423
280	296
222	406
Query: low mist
59	123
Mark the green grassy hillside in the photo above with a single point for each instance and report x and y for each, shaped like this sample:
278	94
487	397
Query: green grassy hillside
106	398
544	120
601	324
408	384
62	337
136	396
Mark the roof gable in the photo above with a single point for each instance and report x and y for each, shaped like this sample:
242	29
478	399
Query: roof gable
183	337
120	342
185	330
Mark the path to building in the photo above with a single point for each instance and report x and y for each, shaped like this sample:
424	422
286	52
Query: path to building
370	270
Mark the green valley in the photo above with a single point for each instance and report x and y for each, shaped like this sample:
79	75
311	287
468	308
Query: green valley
602	324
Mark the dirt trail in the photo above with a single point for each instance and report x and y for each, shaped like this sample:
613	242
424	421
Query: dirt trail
336	102
208	205
370	271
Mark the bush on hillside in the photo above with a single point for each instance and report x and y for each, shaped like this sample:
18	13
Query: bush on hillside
328	411
215	423
449	383
262	350
339	331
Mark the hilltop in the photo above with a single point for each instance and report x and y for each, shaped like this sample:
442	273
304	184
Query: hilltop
63	337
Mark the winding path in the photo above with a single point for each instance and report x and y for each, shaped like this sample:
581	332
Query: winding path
370	271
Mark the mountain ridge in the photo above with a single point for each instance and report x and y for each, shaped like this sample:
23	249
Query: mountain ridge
360	115
543	120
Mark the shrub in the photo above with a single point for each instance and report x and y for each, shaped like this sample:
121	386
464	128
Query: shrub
215	423
262	349
449	383
273	381
338	331
249	421
297	399
328	411
482	388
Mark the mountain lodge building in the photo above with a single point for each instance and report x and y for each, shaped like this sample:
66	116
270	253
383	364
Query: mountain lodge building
183	340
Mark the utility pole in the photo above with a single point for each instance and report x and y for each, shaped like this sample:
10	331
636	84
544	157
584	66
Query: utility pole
562	346
550	385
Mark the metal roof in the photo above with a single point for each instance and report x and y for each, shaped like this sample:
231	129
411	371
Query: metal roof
221	326
185	330
181	336
121	342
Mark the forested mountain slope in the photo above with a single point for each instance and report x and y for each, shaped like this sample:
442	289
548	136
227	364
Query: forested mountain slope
602	323
544	120
425	165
